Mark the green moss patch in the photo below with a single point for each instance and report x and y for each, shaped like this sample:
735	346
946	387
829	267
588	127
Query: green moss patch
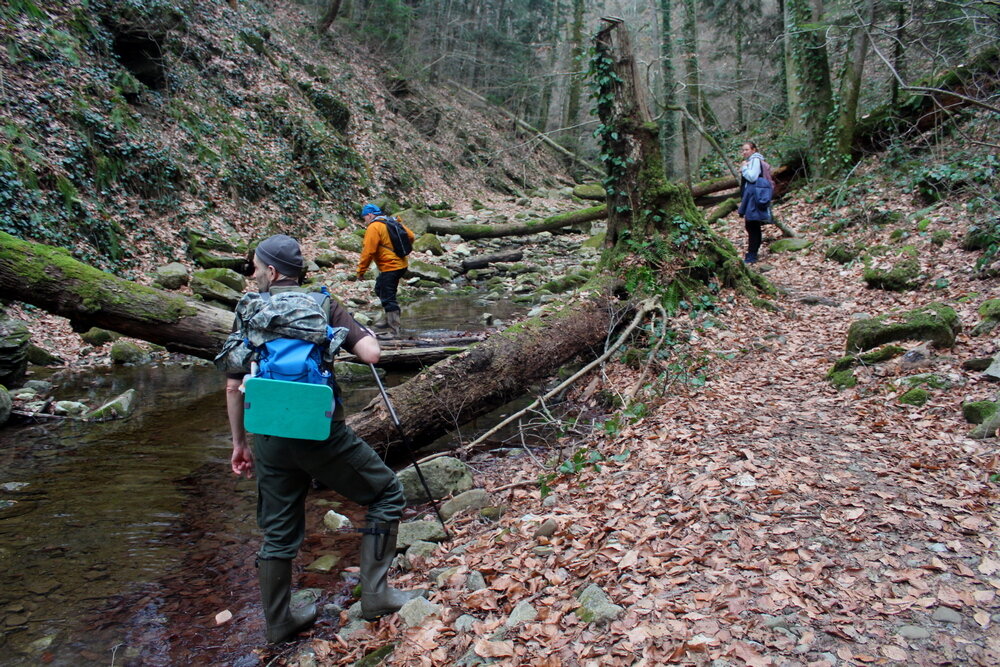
934	322
842	253
842	379
905	275
977	412
915	397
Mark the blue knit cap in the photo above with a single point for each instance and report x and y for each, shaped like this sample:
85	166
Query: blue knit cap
370	208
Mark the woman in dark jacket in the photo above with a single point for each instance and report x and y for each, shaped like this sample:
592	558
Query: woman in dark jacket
754	213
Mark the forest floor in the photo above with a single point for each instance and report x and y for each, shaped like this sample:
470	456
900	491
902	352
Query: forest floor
755	515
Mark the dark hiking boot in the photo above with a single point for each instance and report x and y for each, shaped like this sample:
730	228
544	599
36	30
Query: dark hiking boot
750	258
377	552
275	577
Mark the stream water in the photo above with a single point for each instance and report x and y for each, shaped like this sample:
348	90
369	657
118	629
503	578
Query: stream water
121	541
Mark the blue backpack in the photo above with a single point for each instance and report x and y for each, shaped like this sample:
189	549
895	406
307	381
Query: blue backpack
291	359
282	397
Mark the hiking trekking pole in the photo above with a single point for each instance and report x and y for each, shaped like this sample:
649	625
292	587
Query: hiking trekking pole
409	448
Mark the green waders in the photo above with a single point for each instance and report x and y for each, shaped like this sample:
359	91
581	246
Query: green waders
285	468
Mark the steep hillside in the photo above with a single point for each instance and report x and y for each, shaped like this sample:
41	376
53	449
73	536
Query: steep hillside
126	122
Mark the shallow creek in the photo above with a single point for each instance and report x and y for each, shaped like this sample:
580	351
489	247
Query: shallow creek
121	541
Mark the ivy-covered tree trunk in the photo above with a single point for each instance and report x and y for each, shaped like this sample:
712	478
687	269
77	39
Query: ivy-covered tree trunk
807	74
668	120
655	231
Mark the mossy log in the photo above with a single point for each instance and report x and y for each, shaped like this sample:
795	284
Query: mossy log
51	279
472	231
499	369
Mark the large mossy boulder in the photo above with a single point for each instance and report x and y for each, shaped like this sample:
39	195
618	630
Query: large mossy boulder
213	290
934	322
416	220
977	412
592	191
127	352
327	259
990	312
214	252
428	243
445	476
38	356
915	397
97	337
14	340
171	276
227	277
903	276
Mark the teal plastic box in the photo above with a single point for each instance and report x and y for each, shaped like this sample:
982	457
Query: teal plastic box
288	409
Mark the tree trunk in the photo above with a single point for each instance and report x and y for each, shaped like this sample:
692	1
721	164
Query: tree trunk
482	261
807	73
576	78
469	232
697	102
898	52
494	372
644	208
850	88
325	21
50	279
668	121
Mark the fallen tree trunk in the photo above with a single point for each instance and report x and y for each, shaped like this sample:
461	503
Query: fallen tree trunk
491	373
412	357
470	232
51	279
782	177
482	261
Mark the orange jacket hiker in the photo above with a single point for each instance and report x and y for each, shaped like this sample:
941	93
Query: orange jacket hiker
378	247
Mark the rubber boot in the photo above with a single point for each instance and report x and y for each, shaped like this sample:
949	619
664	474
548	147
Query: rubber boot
393	322
382	322
275	577
377	552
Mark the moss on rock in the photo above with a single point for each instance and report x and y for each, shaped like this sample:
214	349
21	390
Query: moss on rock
843	379
789	245
977	412
915	397
934	322
905	275
842	253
